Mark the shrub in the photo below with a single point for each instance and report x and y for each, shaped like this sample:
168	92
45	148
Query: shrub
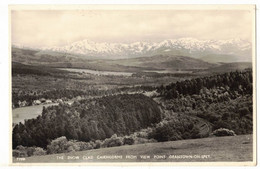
57	145
71	146
30	151
113	141
128	140
20	151
92	144
62	145
98	144
17	153
83	146
39	151
223	132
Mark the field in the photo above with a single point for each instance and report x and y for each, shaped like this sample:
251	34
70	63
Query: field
212	149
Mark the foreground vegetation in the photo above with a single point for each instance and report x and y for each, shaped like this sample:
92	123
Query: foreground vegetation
213	149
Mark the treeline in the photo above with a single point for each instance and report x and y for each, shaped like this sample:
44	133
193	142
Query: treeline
225	100
29	96
236	81
88	120
177	127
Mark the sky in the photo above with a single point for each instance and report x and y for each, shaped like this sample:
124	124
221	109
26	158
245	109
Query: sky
42	28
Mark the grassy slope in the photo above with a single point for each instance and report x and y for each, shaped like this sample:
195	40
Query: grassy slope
232	148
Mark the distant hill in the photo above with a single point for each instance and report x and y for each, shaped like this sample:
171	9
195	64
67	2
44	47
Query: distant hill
215	58
55	59
30	56
156	62
165	62
227	67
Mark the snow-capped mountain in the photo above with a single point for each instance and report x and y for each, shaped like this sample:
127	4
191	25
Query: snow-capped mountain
183	46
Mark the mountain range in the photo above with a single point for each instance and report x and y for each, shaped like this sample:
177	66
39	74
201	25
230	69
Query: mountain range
232	50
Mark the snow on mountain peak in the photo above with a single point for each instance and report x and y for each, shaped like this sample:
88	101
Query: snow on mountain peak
190	45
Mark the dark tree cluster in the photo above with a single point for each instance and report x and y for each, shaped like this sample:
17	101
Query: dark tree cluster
177	127
88	120
236	81
225	101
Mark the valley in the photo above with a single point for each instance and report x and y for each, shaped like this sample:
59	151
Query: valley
72	103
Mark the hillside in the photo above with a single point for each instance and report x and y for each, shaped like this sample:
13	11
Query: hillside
165	62
19	68
214	149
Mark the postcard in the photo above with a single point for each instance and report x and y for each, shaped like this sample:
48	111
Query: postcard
132	84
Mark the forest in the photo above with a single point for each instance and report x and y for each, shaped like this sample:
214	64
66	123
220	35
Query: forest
189	109
88	120
238	81
225	100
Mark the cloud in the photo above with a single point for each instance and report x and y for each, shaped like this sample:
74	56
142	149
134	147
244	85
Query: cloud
55	28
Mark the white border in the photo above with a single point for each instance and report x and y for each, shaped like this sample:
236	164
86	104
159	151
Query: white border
4	74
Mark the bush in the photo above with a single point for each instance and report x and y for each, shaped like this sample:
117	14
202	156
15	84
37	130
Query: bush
30	151
223	132
72	146
128	140
98	144
62	145
39	151
57	145
113	141
144	133
20	151
16	153
83	146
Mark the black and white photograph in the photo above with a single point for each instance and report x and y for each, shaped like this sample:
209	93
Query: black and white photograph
134	84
